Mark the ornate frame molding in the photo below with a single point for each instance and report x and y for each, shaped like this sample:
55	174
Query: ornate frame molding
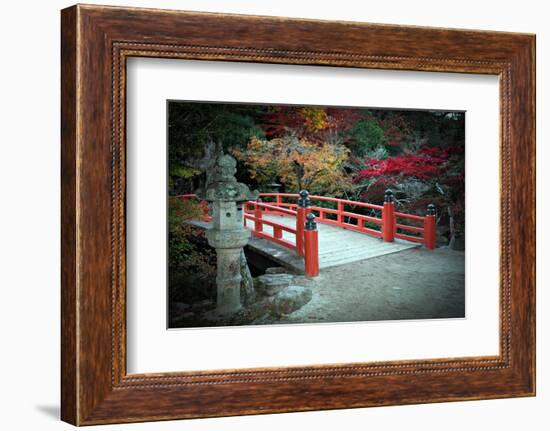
96	41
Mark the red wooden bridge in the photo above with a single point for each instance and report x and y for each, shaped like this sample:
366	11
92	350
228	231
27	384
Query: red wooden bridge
308	232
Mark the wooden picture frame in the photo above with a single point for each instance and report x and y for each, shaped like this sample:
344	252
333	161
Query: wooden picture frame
95	43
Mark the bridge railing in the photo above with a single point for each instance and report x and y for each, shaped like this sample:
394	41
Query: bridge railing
342	218
388	226
306	242
254	211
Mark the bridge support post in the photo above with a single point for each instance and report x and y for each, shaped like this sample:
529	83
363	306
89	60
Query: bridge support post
311	256
430	228
301	210
388	217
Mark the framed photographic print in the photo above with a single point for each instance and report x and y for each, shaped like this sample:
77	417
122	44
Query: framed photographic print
264	214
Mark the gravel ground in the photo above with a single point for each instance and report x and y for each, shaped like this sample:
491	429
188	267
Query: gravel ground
412	284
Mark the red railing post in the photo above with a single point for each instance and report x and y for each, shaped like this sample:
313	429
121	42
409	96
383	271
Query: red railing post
388	217
339	215
311	239
430	228
301	210
258	225
279	200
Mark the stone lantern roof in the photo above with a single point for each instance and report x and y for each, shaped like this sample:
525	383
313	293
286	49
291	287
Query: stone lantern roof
221	184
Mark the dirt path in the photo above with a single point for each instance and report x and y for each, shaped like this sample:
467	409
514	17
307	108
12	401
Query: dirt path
412	284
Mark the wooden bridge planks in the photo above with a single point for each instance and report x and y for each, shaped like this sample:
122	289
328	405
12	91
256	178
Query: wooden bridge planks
337	246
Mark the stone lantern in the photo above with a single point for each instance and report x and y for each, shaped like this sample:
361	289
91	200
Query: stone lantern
227	235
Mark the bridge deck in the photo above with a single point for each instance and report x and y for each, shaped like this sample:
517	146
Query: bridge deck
337	246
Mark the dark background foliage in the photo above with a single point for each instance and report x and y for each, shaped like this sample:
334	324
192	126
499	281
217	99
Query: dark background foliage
360	152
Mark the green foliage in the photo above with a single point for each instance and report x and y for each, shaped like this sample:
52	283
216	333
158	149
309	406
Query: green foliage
380	153
366	135
183	171
192	262
192	125
179	249
182	251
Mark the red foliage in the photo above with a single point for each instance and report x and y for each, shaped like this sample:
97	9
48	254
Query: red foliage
426	163
343	119
280	120
284	119
396	129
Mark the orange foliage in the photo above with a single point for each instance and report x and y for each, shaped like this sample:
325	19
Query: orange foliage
297	163
315	119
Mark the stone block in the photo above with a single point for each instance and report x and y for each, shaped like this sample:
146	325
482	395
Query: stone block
271	284
290	299
276	270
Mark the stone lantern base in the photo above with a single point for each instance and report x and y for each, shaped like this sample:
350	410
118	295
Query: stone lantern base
228	281
228	245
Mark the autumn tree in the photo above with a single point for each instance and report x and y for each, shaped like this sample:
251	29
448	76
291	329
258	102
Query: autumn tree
297	163
418	178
